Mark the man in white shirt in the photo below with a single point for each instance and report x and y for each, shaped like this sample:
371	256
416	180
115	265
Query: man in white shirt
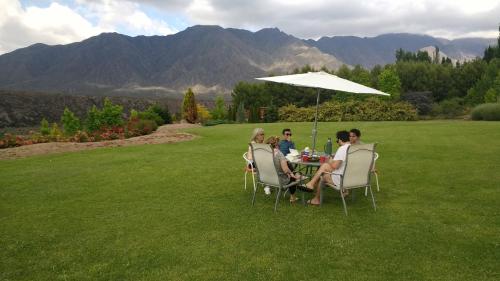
335	166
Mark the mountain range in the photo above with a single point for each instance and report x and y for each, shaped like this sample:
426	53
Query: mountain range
209	59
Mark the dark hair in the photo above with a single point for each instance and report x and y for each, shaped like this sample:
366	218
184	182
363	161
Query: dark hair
286	130
356	132
343	136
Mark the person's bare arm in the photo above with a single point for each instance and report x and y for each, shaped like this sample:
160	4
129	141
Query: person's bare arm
335	164
284	167
249	154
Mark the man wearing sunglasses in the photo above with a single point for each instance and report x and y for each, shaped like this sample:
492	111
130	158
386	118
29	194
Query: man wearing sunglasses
286	143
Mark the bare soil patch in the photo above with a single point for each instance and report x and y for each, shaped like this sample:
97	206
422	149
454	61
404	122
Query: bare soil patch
164	134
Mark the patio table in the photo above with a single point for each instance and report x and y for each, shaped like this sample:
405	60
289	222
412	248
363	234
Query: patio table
307	168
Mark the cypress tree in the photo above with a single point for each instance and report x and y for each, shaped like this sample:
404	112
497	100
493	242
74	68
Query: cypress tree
189	110
240	113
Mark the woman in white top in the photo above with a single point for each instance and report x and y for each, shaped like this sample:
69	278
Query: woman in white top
257	137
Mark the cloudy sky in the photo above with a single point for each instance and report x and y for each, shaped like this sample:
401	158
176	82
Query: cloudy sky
25	22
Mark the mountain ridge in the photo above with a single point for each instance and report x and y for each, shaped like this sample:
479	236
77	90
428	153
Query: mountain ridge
209	59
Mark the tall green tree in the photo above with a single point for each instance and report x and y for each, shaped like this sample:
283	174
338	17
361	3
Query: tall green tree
189	110
71	123
493	51
240	113
344	72
389	83
360	75
476	94
219	112
93	120
111	114
253	116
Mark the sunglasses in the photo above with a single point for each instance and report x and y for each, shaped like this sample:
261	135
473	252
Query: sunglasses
288	134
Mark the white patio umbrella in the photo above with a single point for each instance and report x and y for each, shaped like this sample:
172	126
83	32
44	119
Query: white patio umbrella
322	80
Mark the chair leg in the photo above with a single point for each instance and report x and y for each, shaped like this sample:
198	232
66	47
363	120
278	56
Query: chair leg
343	201
373	199
253	179
245	180
253	198
277	199
366	191
376	179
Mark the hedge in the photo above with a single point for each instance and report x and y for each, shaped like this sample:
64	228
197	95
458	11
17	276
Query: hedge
487	112
371	109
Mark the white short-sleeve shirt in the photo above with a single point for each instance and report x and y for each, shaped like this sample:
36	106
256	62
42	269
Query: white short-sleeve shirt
341	155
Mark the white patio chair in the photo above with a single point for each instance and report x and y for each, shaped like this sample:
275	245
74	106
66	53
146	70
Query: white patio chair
250	170
357	172
267	174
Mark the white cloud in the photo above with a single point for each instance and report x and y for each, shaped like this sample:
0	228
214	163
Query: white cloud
55	24
61	24
124	16
76	20
315	18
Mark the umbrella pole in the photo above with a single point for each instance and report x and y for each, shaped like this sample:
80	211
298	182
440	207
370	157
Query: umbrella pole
315	131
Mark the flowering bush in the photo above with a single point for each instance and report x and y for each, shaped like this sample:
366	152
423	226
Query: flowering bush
8	140
139	127
80	136
109	133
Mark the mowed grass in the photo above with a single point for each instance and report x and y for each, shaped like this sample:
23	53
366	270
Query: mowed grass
179	211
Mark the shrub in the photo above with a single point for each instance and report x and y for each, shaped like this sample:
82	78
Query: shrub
55	133
203	113
8	140
452	108
151	115
44	127
39	138
112	133
109	116
422	101
163	112
371	109
139	127
80	136
71	123
487	112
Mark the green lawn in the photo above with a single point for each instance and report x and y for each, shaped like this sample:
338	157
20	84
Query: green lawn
179	211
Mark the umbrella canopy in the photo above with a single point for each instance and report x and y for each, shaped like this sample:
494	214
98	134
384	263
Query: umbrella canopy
322	80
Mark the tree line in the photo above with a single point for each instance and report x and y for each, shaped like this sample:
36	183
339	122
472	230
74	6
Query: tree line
438	81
